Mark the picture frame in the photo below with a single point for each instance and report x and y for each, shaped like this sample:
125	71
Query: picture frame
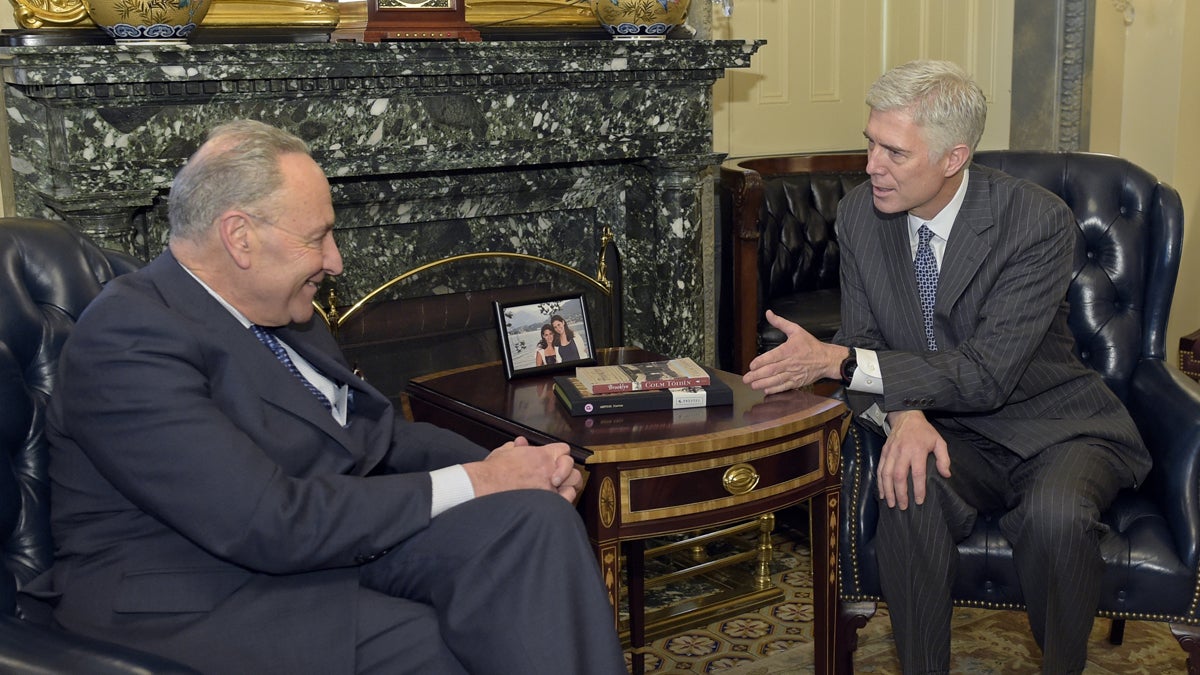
522	325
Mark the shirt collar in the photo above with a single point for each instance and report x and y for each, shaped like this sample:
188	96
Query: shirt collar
943	222
232	310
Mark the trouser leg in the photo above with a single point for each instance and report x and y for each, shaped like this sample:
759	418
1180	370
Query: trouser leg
514	585
396	636
918	555
1055	532
917	558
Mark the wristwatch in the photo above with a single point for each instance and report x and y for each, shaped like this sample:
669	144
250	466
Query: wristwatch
849	365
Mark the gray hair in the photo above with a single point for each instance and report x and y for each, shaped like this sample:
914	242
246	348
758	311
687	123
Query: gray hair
237	167
941	98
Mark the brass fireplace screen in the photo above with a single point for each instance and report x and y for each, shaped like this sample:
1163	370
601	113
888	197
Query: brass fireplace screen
440	315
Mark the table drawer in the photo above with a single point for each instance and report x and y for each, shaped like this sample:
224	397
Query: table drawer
725	481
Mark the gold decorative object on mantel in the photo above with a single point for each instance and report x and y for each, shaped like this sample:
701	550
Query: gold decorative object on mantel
154	22
640	19
347	14
224	14
525	13
486	14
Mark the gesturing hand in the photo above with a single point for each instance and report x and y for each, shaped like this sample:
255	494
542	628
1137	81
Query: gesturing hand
517	465
906	453
802	359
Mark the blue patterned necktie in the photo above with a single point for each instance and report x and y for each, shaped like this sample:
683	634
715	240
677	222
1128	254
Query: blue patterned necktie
268	338
925	266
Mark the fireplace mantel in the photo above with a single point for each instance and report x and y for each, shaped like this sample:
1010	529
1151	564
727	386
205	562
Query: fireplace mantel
432	148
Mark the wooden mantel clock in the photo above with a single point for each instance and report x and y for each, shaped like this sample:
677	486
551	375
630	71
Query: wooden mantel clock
418	20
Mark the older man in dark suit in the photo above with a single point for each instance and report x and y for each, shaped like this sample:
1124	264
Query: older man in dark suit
954	341
228	493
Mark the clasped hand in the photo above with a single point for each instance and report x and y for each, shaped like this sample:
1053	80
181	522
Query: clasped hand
801	360
517	465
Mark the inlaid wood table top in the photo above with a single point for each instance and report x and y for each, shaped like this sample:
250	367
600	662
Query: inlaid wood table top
528	406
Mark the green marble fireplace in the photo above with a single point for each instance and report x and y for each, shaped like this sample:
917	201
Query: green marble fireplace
433	149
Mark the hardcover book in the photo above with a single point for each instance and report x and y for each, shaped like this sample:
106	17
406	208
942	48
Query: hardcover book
670	374
579	401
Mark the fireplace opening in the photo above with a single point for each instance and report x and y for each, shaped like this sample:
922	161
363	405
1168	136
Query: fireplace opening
442	315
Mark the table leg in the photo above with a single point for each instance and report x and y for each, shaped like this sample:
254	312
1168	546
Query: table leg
823	515
635	575
608	555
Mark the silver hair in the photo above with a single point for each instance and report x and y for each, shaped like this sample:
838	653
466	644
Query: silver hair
941	98
237	167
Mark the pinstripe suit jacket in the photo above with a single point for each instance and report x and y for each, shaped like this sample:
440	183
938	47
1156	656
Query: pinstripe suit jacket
1006	367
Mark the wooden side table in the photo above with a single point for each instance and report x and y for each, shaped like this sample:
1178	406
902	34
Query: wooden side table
665	472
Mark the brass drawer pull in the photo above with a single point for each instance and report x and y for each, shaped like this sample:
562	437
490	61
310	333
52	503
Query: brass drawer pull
740	479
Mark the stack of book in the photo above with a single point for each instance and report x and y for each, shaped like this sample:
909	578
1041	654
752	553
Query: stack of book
633	387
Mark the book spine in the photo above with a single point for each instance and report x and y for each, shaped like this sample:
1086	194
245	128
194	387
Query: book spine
639	404
673	383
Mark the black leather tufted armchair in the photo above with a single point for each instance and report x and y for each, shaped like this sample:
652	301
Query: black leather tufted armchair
777	221
1127	258
48	274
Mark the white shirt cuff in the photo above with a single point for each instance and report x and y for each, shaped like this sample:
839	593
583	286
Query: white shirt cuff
867	378
451	487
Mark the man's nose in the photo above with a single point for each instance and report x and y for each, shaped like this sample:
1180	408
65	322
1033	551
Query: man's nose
333	257
874	165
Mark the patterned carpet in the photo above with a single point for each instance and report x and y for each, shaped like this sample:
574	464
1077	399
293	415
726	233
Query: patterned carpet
777	639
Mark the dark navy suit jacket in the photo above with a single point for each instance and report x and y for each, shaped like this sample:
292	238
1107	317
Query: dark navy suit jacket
205	505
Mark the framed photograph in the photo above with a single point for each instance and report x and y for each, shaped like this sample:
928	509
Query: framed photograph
545	335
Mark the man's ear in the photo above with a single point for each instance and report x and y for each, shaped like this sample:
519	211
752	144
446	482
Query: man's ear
956	159
237	236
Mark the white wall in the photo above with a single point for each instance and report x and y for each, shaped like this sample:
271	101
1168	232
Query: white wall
1145	108
805	88
1186	178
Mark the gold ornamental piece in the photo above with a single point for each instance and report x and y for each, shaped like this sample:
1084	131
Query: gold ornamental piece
525	13
39	13
224	14
740	479
608	502
833	452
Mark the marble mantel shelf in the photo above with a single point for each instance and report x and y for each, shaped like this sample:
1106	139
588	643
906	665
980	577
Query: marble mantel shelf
433	148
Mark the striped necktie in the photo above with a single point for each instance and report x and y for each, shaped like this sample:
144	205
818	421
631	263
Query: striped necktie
925	266
267	337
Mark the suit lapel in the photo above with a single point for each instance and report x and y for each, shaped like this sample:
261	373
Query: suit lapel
275	384
369	442
897	261
969	243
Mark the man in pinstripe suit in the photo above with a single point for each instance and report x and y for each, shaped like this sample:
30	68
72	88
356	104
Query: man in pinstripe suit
983	402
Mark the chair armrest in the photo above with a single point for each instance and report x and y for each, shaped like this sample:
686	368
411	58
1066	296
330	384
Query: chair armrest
26	648
745	187
860	511
1165	404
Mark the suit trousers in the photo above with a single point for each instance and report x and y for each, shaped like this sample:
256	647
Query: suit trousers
505	583
1051	505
